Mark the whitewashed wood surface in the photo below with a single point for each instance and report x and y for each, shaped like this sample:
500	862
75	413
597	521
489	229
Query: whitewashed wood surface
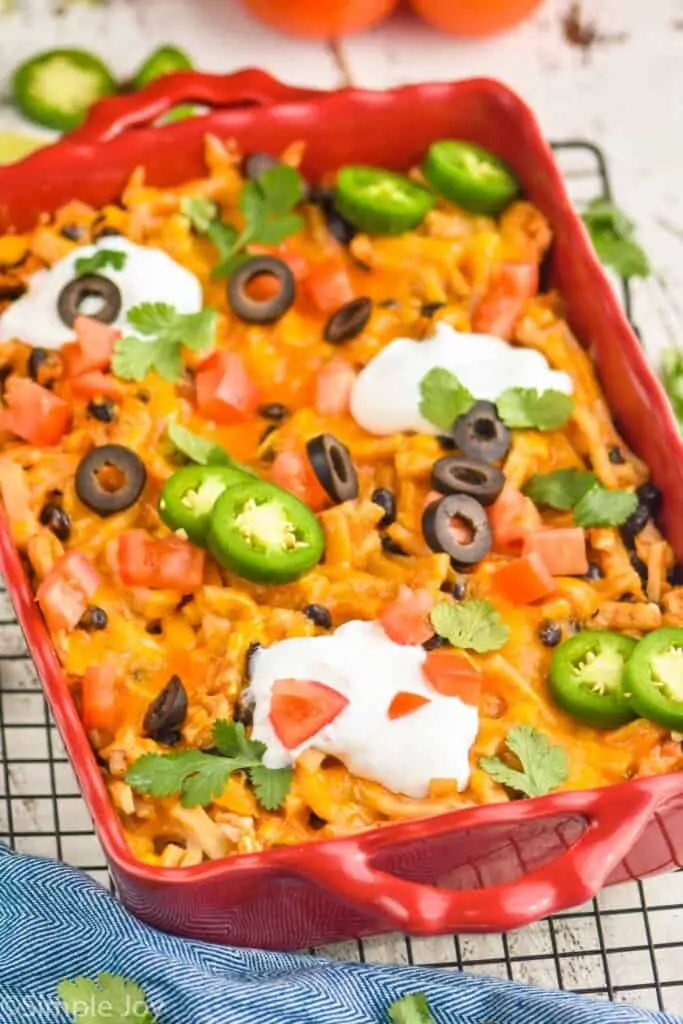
625	93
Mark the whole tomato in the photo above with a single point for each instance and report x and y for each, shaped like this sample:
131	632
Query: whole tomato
319	19
474	17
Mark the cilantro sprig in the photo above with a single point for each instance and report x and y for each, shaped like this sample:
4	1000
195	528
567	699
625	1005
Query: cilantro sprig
164	331
200	450
104	999
473	625
613	237
266	206
443	398
200	777
412	1009
543	766
582	493
100	260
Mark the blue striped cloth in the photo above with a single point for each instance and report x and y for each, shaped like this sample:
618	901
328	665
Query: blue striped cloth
55	923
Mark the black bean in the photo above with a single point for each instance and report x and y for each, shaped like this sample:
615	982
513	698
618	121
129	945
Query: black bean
316	822
275	411
636	522
430	308
640	567
94	618
446	443
650	496
167	711
390	546
168	737
103	410
56	519
319	615
383	497
243	713
143	396
74	232
435	642
594	572
549	633
459	590
674	576
154	628
253	647
615	457
44	366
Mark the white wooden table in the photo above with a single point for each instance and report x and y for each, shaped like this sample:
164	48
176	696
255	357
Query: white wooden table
624	93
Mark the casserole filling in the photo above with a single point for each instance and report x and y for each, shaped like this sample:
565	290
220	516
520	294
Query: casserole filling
323	506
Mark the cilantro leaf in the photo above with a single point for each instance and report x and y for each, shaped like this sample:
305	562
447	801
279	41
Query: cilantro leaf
600	507
232	741
271	785
671	373
200	450
100	260
474	625
528	407
543	767
200	212
281	187
443	398
412	1009
104	999
561	489
613	237
165	331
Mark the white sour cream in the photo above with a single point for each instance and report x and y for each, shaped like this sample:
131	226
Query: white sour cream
386	394
363	664
149	275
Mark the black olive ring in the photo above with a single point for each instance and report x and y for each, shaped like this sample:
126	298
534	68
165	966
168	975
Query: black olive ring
348	321
88	286
454	474
261	311
436	527
108	500
333	467
480	434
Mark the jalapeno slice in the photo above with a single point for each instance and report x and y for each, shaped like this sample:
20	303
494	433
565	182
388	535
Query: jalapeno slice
264	534
587	676
57	88
470	176
189	496
381	202
654	678
166	60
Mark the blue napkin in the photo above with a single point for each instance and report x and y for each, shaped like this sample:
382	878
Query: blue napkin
56	923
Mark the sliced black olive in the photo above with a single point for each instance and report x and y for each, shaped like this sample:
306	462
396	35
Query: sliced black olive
319	615
274	411
383	497
254	164
168	710
89	286
103	410
261	311
348	321
549	633
436	527
391	546
110	479
456	475
615	456
333	467
635	523
480	434
430	308
651	496
44	366
74	232
56	519
94	618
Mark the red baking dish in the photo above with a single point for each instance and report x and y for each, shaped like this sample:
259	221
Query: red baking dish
487	869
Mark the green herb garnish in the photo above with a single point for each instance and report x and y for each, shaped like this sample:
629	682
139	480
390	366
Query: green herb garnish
612	235
412	1009
199	778
600	507
200	450
473	625
100	260
527	407
543	766
578	490
165	331
104	1000
443	398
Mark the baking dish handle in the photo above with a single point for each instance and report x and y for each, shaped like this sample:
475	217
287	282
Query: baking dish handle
613	825
249	88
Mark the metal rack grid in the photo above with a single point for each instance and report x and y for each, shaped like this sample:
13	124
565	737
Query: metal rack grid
626	945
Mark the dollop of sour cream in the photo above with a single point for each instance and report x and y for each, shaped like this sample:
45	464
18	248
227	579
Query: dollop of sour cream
148	275
386	394
362	663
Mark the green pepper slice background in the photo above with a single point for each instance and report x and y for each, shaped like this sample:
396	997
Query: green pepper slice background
654	678
58	87
381	202
166	60
264	534
469	176
189	496
587	675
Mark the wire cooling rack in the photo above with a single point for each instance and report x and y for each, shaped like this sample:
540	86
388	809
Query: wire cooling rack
626	945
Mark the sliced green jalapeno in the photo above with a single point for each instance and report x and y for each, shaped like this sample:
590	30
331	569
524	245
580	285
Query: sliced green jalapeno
470	176
654	678
189	496
587	676
381	202
166	60
58	87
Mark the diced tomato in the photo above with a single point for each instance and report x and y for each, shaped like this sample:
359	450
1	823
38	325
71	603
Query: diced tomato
406	619
328	287
93	347
99	697
333	387
33	413
299	708
501	306
405	703
65	592
292	471
525	580
452	674
224	390
563	551
512	517
168	564
96	384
